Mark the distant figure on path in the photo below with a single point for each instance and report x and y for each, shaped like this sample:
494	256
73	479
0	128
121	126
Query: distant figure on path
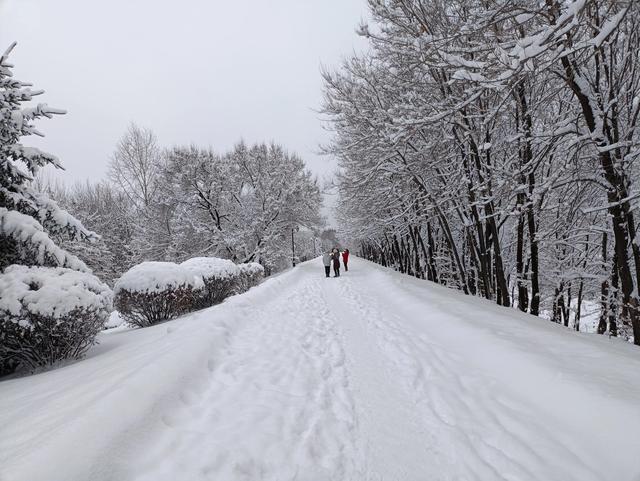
345	259
326	260
335	255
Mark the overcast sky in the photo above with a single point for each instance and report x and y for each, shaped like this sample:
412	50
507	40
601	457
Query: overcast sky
207	72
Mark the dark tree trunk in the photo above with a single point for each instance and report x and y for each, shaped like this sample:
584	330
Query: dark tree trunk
613	299
576	323
619	212
523	293
432	260
533	252
604	292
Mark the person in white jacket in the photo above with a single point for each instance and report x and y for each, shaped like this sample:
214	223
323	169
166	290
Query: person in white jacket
326	260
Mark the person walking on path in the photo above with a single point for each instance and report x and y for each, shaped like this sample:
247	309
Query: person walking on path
326	260
335	255
345	259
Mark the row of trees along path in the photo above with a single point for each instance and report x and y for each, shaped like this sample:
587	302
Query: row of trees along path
492	147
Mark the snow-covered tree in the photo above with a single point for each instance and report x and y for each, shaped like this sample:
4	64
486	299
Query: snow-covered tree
135	164
241	205
105	209
492	147
28	219
51	306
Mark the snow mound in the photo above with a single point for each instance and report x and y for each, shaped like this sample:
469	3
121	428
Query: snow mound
150	277
115	321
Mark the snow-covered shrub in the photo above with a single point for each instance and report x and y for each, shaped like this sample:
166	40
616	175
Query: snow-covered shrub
48	314
153	292
31	228
250	275
220	277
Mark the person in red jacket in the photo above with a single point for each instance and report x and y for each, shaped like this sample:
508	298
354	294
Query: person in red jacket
345	259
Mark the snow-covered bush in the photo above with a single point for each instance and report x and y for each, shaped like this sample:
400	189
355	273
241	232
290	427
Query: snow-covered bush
220	276
48	314
153	292
250	275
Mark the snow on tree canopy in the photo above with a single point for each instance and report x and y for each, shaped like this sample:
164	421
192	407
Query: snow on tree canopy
212	267
157	277
51	292
40	248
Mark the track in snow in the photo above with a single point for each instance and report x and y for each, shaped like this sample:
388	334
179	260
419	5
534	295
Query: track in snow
371	376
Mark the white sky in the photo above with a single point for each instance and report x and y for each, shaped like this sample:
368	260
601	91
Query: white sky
194	71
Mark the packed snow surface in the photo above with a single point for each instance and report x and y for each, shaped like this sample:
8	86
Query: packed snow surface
369	376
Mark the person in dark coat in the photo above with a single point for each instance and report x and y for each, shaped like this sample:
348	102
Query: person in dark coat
345	259
326	260
336	262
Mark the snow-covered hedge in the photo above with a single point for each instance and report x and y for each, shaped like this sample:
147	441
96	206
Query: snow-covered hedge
48	314
153	292
221	278
250	275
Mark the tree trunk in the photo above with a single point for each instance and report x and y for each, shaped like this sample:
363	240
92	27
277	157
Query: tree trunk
604	292
523	292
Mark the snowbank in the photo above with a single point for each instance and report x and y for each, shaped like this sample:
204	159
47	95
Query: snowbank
115	321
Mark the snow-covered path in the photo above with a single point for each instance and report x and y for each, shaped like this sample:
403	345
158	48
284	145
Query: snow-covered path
371	376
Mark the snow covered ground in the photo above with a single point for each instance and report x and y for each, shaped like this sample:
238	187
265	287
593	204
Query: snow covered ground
371	376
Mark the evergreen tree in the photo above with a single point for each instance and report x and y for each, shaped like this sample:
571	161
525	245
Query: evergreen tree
29	220
51	306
